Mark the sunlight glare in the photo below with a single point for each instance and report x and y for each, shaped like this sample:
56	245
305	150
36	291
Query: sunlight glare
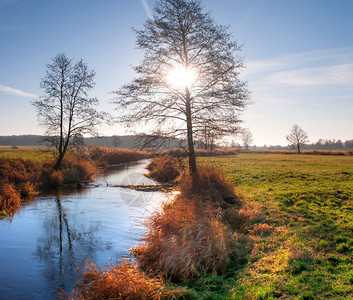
181	77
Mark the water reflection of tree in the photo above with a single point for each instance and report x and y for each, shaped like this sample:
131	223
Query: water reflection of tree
65	245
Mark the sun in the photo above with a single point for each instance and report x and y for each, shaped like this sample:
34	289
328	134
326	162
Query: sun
181	77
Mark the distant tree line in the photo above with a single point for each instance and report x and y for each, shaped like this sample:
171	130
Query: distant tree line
131	141
125	141
321	144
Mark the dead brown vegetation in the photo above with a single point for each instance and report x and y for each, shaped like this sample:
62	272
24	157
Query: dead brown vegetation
125	281
111	156
9	198
164	169
18	179
210	184
22	179
185	240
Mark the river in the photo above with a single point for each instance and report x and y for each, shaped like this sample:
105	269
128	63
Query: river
42	246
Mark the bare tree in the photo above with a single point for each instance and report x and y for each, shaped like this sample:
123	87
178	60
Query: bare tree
246	138
297	138
207	137
66	111
189	76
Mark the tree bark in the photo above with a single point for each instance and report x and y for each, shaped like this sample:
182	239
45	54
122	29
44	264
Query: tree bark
192	157
59	161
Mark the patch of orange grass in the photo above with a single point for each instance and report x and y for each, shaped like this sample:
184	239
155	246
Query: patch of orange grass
262	229
245	219
124	281
251	212
164	169
18	179
208	183
9	198
184	240
110	155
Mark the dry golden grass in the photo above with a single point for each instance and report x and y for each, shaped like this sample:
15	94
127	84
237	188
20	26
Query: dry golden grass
209	183
124	281
9	198
111	156
21	179
164	169
185	240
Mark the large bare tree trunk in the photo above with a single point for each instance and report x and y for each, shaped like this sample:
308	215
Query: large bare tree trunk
58	162
192	157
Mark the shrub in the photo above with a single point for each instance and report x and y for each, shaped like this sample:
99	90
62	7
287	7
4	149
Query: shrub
209	183
72	171
77	170
18	179
18	171
184	240
111	156
28	190
164	169
51	179
124	281
9	198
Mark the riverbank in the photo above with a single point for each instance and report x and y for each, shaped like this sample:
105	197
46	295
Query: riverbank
46	241
22	179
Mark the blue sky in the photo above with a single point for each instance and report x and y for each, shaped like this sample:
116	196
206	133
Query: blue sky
299	58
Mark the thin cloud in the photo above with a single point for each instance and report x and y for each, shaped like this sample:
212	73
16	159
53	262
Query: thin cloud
333	75
10	90
299	60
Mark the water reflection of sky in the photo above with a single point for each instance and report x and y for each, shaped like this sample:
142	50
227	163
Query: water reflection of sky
42	246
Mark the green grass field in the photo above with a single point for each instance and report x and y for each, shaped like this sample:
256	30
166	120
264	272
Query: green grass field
36	153
306	251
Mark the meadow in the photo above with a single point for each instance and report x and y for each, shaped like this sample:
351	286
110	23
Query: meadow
35	153
298	239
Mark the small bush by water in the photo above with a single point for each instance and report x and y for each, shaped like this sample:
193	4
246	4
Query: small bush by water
9	199
18	179
185	240
125	281
22	179
164	169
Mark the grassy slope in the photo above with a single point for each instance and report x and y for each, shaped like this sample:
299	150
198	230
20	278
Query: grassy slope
308	200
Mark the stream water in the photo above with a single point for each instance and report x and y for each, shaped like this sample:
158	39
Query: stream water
42	246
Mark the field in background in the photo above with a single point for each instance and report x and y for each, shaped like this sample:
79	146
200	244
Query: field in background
302	245
36	153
